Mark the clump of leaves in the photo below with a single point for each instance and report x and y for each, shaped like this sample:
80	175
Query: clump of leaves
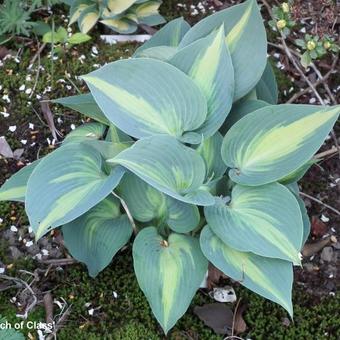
15	17
122	16
189	153
315	47
283	20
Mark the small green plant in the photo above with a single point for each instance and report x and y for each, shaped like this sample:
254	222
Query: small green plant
122	16
15	17
283	20
62	40
315	48
188	152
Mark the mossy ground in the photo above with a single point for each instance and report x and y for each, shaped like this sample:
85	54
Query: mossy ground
127	317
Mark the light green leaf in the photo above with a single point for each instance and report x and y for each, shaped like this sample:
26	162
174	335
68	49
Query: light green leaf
272	142
78	38
270	278
85	132
159	99
169	35
266	88
169	272
84	104
147	204
264	220
65	185
208	62
246	40
14	189
169	167
95	237
239	110
210	151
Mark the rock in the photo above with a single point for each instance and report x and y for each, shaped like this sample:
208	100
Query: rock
33	250
14	252
327	254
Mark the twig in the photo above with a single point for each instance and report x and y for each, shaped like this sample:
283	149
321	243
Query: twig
128	213
59	323
320	202
326	153
37	75
28	287
48	304
234	317
37	55
297	67
59	262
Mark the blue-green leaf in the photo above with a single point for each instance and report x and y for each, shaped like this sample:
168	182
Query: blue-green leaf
95	237
158	99
14	189
264	220
208	62
169	272
270	143
169	167
65	185
147	204
266	88
271	278
169	35
85	104
246	39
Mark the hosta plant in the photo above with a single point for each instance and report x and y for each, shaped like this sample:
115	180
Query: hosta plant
122	16
189	159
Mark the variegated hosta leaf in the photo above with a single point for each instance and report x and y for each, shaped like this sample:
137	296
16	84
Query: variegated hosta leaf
158	52
264	220
297	174
84	104
65	185
210	151
95	237
107	149
246	40
85	132
168	166
270	278
76	9
119	6
121	25
169	35
147	204
208	62
266	88
88	18
272	142
294	188
239	110
169	272
157	99
14	189
147	13
117	136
